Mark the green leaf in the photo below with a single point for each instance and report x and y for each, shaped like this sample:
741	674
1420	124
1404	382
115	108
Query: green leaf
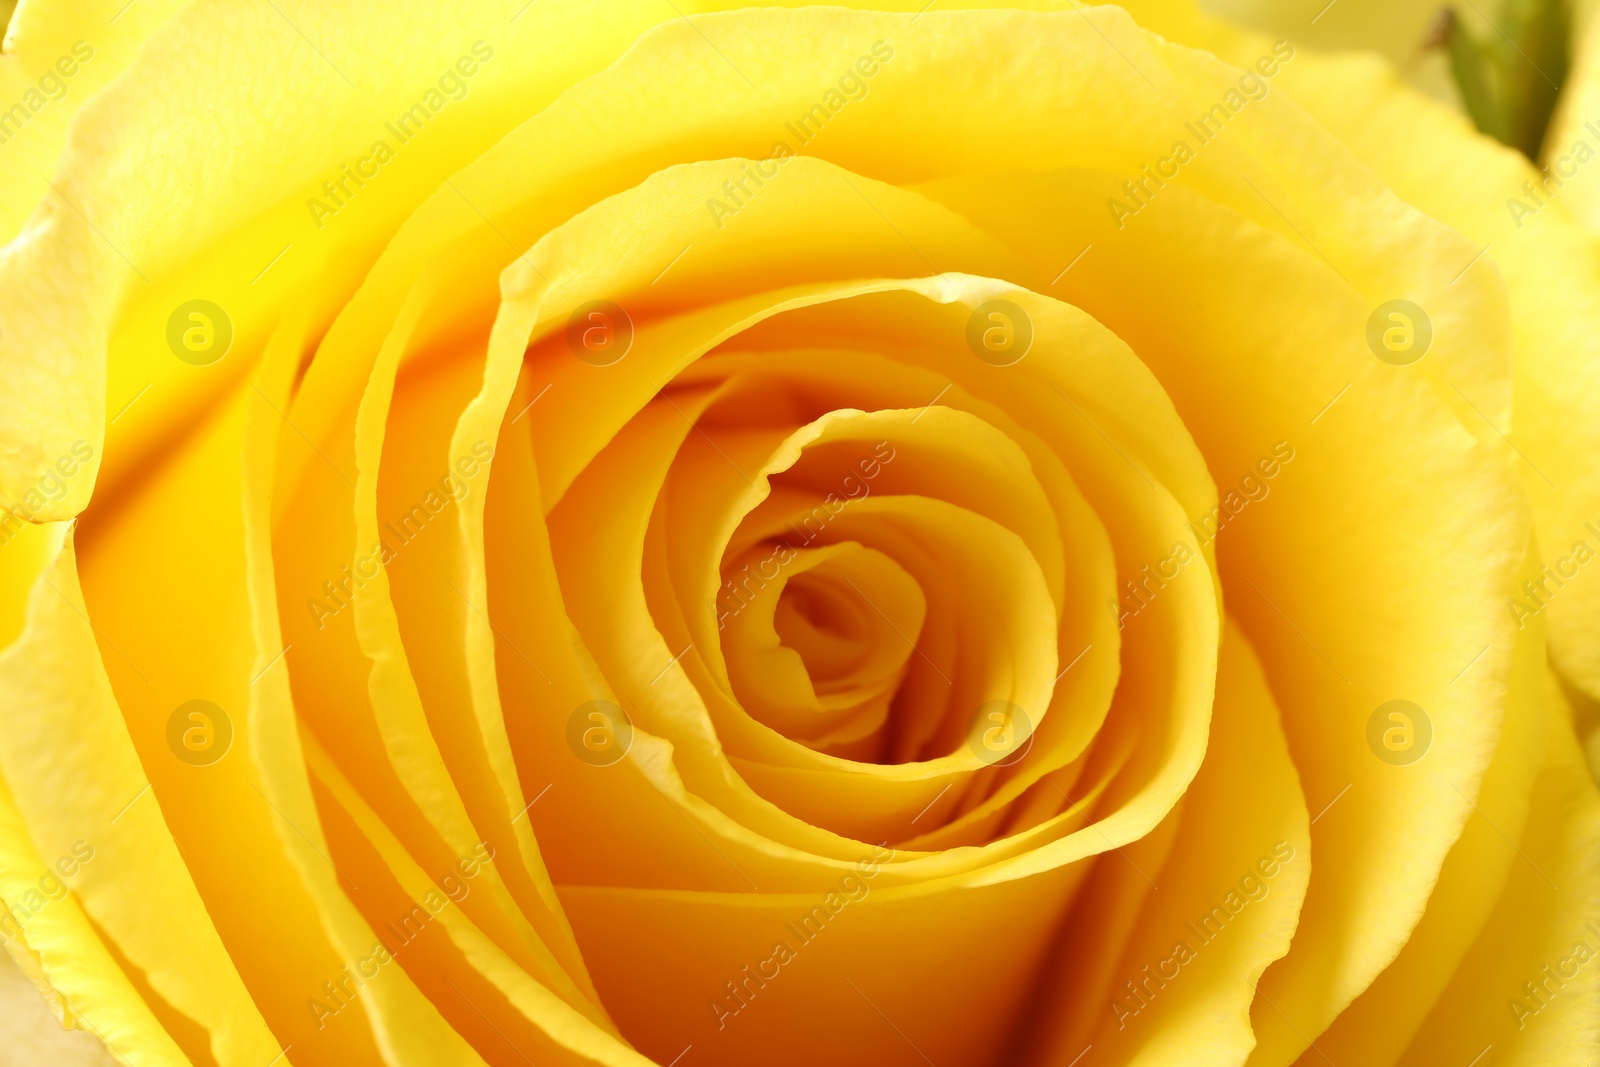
1510	78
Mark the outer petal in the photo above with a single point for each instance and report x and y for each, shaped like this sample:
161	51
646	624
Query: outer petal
57	55
189	181
70	764
31	1031
1551	264
1529	989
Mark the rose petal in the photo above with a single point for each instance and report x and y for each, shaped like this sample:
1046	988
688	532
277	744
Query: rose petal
1242	816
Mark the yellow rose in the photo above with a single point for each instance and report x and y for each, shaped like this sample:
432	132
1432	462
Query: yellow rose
789	536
